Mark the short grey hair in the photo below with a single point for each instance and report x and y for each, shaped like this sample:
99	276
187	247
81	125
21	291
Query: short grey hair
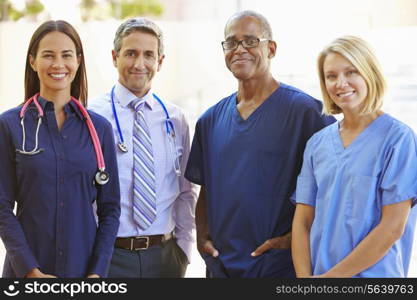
138	24
265	26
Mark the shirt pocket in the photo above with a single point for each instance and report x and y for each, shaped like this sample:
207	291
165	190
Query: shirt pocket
362	203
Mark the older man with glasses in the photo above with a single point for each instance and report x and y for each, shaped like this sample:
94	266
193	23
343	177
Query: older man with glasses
246	154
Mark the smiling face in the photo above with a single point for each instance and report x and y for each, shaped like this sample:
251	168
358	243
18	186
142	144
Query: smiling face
248	63
56	63
344	84
138	61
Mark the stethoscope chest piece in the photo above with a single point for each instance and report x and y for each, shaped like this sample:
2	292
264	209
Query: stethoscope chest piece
102	177
122	147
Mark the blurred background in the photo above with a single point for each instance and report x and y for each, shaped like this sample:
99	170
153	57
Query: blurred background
194	75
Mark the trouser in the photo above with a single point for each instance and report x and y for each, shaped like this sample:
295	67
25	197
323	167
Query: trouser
166	260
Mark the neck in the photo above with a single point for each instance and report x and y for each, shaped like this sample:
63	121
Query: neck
140	93
59	98
256	90
353	121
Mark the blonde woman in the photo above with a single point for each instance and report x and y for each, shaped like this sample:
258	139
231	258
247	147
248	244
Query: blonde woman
358	184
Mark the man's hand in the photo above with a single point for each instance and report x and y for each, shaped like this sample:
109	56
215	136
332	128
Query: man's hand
279	242
206	246
93	276
36	273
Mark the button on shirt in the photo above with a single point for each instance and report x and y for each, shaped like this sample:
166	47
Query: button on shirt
175	196
54	228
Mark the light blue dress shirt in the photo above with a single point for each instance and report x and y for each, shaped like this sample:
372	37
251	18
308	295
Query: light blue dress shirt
175	196
349	186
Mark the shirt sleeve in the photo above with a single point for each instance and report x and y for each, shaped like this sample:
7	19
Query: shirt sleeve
306	190
399	174
195	165
18	251
108	209
184	205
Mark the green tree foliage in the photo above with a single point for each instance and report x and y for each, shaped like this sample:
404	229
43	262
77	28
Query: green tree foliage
132	8
9	12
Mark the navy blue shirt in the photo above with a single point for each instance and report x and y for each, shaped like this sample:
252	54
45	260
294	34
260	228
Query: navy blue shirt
249	170
55	228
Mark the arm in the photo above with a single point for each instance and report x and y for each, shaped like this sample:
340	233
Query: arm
303	219
108	209
11	232
204	242
380	240
184	205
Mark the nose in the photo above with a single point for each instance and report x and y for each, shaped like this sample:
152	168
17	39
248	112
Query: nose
240	48
341	81
57	63
139	62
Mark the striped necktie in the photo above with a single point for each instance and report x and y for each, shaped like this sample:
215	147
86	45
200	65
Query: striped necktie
144	195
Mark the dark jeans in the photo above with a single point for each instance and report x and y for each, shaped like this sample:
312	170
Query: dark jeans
160	261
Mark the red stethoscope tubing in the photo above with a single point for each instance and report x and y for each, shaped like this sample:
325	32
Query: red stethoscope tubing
101	176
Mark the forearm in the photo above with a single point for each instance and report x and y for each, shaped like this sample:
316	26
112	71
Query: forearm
184	208
201	216
380	240
300	249
362	257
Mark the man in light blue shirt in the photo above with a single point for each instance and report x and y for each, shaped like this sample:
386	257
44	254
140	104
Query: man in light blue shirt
163	248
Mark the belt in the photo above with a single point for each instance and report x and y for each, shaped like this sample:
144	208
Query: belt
141	242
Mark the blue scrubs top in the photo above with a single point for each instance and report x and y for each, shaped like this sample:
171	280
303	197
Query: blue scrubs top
249	169
54	228
349	186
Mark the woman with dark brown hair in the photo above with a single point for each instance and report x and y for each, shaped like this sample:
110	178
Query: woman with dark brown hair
57	159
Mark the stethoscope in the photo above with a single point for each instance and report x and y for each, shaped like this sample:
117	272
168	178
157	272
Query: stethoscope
102	177
169	126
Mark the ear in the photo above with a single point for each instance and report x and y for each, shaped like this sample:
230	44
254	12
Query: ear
272	49
32	62
160	60
114	56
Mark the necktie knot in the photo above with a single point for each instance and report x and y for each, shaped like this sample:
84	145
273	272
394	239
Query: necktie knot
137	104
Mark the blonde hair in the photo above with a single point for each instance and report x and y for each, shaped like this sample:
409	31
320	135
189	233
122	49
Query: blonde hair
360	55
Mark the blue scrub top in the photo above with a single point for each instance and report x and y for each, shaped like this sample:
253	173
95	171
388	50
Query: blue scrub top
54	228
249	170
349	186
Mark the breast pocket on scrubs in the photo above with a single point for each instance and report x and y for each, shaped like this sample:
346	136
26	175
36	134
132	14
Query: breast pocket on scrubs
362	205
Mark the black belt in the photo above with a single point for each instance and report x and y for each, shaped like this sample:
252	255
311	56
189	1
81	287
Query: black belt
141	242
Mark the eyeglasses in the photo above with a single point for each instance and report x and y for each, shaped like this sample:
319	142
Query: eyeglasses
248	43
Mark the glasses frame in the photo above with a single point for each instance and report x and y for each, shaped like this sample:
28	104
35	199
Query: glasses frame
241	42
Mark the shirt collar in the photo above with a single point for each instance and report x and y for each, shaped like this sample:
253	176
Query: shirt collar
69	107
125	97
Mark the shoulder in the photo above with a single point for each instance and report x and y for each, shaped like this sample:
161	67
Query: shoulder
299	98
11	115
100	104
100	122
398	130
217	109
321	136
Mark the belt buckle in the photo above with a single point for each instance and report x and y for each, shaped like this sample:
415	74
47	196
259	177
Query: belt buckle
146	238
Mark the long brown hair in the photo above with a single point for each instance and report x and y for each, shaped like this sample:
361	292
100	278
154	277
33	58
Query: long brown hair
79	88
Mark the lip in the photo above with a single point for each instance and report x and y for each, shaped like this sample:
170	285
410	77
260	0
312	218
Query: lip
241	60
345	94
58	76
138	73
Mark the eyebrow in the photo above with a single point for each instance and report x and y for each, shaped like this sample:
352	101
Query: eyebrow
50	51
233	37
